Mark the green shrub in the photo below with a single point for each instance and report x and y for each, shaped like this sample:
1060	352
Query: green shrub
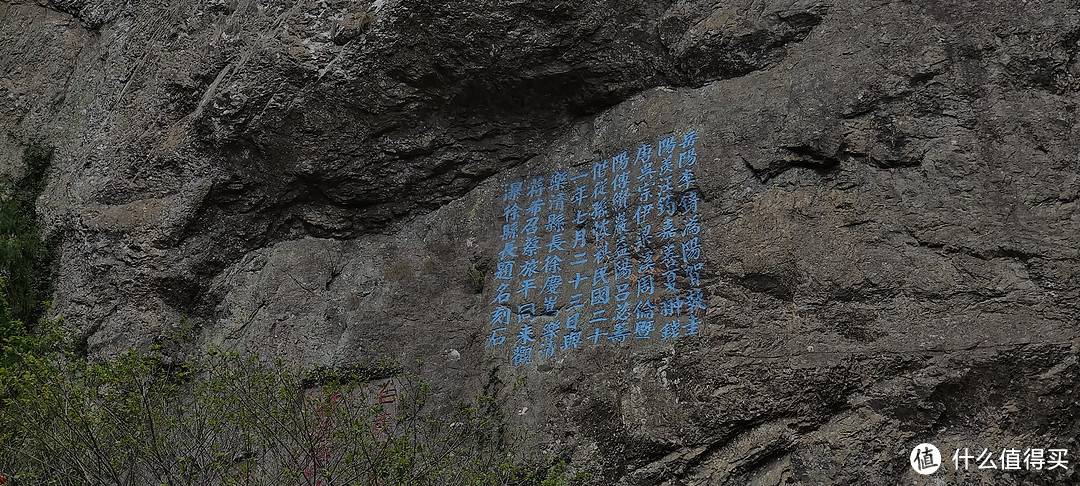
24	256
226	419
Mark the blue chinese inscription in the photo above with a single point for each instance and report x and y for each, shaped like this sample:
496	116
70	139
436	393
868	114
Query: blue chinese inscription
605	254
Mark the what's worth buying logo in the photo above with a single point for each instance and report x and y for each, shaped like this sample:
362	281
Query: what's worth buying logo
925	458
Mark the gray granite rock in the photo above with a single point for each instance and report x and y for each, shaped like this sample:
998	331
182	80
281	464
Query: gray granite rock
889	209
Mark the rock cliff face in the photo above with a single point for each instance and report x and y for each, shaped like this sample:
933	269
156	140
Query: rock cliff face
887	194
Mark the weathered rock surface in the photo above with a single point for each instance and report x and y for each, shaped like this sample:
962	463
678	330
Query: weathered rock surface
889	208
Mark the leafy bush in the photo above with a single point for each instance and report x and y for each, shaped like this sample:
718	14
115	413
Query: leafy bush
24	257
226	419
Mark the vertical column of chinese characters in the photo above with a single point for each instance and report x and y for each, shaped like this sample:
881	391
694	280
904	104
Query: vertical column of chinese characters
689	259
602	235
599	295
671	306
504	272
621	264
554	247
529	272
578	191
645	288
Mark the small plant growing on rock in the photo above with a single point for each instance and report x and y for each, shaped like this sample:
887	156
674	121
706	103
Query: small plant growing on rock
475	280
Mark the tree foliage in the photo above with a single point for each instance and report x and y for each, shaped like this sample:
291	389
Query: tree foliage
24	256
228	419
